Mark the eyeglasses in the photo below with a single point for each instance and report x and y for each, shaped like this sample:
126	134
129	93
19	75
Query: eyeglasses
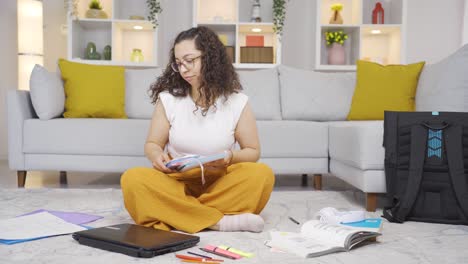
188	63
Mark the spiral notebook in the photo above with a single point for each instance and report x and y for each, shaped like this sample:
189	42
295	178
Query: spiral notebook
193	161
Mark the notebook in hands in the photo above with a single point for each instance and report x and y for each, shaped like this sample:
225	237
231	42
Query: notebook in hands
189	162
134	240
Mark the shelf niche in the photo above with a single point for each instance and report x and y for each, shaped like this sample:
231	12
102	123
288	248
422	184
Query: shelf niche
232	19
381	43
121	30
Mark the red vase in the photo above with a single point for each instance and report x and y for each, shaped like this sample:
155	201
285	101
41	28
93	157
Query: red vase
336	54
378	14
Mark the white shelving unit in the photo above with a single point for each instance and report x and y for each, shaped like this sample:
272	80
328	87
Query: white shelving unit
232	18
118	31
382	43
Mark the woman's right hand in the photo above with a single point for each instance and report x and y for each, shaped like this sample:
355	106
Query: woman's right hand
159	162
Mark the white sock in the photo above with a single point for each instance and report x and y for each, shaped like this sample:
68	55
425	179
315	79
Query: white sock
241	222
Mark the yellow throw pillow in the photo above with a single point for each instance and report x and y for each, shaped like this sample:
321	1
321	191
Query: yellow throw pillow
93	90
379	88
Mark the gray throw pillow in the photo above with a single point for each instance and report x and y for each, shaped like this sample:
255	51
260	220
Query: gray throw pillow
47	94
443	86
137	100
262	88
315	96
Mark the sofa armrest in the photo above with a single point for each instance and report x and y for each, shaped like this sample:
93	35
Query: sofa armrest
19	108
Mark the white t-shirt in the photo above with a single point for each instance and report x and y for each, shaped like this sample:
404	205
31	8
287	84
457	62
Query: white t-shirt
192	133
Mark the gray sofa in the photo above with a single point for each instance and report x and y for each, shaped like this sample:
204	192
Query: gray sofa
301	121
294	108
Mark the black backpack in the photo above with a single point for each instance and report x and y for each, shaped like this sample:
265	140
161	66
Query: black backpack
426	161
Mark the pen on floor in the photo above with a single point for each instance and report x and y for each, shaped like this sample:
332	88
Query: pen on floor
217	253
200	261
294	220
186	257
200	255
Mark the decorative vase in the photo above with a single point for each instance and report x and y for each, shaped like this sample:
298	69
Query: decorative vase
90	49
91	53
336	18
378	14
94	56
256	12
137	56
336	54
107	53
96	13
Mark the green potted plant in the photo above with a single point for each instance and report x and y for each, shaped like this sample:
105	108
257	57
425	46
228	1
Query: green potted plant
335	40
336	36
95	10
279	14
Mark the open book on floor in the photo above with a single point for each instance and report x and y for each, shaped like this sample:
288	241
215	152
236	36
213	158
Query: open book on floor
317	239
193	161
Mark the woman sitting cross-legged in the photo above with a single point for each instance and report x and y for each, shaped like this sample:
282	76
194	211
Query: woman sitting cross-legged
199	110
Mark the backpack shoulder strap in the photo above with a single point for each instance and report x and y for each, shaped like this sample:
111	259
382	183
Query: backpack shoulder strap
454	148
390	144
417	155
390	136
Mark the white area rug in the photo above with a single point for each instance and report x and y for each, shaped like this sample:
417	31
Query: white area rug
401	243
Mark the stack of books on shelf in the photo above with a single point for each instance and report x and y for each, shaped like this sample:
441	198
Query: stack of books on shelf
255	51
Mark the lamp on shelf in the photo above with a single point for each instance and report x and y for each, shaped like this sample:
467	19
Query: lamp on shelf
30	39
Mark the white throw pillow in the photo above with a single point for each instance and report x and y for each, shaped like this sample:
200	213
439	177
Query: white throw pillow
137	100
262	88
443	86
316	96
47	94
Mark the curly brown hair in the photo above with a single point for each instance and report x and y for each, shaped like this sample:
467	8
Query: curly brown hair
218	77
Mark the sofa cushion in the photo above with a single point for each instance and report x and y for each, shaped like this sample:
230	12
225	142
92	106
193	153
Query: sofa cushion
309	95
443	86
262	88
85	136
93	90
92	163
137	98
295	166
380	88
357	144
304	139
368	181
47	95
99	137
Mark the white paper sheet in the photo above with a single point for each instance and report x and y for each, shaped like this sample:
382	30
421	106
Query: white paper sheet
35	225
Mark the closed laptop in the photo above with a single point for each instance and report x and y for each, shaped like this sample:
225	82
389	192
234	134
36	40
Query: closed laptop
135	240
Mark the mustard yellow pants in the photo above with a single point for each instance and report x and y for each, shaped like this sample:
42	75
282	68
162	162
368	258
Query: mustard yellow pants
180	201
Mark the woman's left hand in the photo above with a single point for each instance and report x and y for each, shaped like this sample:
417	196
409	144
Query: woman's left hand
215	165
220	164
